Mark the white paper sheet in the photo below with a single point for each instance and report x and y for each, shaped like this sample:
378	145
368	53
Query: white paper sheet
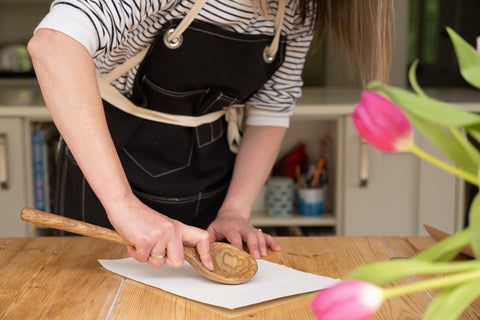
271	281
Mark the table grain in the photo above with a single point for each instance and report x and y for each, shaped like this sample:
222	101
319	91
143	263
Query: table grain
60	278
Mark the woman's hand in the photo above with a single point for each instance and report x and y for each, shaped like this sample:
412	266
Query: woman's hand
255	159
152	232
237	231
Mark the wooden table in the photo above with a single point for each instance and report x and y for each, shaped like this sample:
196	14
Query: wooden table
60	278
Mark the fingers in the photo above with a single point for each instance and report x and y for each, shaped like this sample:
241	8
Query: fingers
239	231
201	239
159	245
235	240
175	254
258	243
271	243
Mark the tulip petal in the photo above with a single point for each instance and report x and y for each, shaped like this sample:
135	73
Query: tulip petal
348	300
382	124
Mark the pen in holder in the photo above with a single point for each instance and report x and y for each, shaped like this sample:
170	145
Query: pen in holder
311	195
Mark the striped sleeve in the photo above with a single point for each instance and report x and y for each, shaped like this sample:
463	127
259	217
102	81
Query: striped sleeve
273	104
97	24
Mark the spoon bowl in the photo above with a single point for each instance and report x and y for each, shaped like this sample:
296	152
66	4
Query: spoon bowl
231	265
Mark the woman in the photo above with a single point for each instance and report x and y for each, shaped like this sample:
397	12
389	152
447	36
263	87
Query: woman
161	166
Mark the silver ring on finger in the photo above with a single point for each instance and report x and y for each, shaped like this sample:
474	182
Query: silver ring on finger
158	256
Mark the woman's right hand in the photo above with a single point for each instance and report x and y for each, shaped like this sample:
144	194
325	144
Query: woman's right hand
151	231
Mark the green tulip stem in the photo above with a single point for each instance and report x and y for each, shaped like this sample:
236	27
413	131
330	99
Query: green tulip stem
429	284
443	165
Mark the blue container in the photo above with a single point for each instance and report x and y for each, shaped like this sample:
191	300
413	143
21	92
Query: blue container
311	202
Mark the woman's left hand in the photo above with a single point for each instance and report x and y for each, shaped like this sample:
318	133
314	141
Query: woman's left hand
237	231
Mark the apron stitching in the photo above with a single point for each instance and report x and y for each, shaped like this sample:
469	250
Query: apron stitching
168	92
180	200
62	177
201	145
83	198
197	207
212	133
214	101
163	173
266	39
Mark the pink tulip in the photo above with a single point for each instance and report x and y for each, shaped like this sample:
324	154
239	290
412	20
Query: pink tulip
478	44
382	124
348	300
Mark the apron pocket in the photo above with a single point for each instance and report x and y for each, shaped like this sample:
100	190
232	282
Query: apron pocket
210	132
198	209
158	149
167	101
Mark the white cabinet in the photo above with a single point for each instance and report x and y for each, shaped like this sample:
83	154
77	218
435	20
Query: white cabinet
403	192
388	200
13	195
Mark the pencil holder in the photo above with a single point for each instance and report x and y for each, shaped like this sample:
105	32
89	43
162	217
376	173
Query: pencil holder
280	197
310	202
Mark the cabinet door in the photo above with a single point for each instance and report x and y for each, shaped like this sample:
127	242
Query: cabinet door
385	204
439	195
13	180
402	192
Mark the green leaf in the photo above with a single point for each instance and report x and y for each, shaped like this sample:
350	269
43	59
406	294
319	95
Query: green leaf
468	59
446	249
474	131
466	160
474	224
427	108
450	302
412	78
384	272
445	143
466	145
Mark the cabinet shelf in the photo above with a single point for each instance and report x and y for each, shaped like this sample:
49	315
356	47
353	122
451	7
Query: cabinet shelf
261	219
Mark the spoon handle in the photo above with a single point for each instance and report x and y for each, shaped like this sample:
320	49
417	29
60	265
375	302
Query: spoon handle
70	225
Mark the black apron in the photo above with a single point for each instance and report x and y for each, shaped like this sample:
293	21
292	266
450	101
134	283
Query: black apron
182	172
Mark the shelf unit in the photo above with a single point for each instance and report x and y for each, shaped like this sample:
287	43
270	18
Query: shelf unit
351	210
319	112
261	219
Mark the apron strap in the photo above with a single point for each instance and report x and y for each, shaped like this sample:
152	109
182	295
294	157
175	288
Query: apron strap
115	98
174	38
187	20
271	50
234	114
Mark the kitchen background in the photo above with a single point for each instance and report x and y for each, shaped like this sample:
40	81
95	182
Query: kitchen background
420	34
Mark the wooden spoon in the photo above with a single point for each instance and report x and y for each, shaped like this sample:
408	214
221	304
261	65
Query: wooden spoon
231	265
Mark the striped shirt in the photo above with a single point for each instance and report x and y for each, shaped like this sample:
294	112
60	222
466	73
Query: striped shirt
114	30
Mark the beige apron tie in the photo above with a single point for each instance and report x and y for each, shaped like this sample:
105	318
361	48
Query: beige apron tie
234	114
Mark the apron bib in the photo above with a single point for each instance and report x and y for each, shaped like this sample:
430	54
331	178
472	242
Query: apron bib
180	171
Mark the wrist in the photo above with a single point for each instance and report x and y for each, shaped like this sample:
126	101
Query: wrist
234	209
118	202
